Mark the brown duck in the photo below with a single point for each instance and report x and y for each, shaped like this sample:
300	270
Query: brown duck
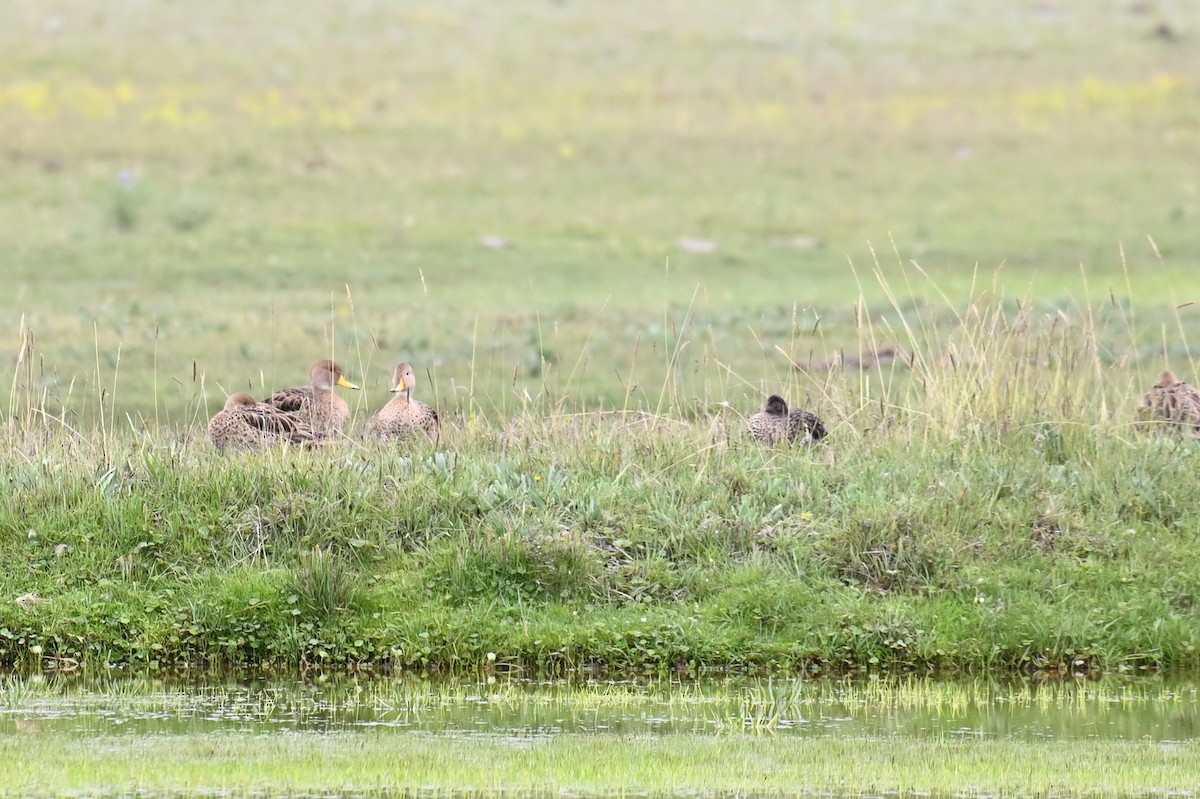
247	424
1171	403
404	416
316	403
775	423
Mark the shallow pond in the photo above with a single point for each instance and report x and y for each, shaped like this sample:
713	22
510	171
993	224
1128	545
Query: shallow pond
1142	709
92	726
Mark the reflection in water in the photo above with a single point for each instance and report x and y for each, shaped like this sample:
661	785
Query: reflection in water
1148	708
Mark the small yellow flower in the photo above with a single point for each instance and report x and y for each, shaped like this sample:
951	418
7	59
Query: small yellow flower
168	113
124	92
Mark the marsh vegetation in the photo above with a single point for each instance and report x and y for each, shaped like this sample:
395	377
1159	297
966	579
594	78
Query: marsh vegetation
210	212
602	234
787	737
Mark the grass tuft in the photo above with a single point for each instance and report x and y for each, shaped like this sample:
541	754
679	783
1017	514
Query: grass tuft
322	585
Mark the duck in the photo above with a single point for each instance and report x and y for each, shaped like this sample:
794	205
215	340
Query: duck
404	416
1172	402
316	403
776	423
247	424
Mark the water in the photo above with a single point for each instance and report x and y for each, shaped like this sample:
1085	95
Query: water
1145	709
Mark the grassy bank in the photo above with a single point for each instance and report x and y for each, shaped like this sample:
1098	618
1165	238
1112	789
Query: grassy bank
997	510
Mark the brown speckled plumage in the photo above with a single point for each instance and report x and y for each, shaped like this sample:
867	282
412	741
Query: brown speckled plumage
404	416
1171	405
316	403
245	424
775	423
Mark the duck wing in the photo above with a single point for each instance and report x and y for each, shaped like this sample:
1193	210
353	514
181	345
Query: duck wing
268	420
805	424
290	400
1181	405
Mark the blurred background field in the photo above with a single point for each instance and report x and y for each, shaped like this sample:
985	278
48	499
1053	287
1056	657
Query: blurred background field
586	204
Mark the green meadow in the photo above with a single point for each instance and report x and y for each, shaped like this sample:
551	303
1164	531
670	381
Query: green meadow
602	233
198	202
611	765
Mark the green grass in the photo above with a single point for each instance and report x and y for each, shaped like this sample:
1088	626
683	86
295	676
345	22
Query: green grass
299	187
1001	535
1001	191
598	763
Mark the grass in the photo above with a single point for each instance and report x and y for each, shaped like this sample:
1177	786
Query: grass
242	192
506	199
597	763
962	517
